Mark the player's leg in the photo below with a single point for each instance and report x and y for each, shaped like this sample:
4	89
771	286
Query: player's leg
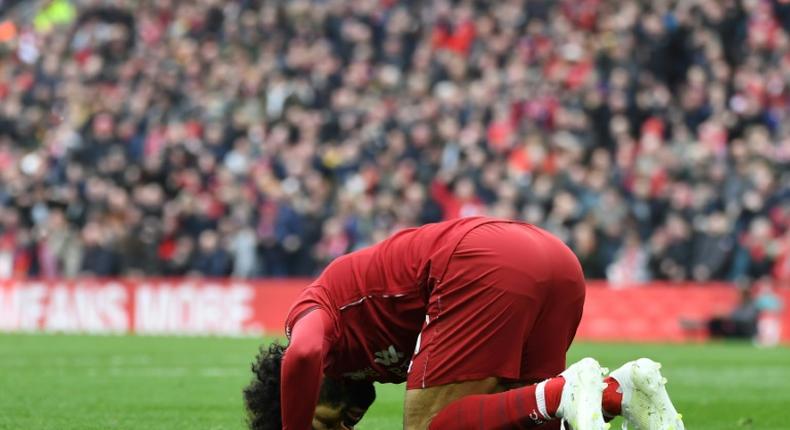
421	405
464	353
636	390
574	396
554	330
612	399
481	315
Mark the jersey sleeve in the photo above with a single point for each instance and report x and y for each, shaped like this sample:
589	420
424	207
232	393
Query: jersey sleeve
302	369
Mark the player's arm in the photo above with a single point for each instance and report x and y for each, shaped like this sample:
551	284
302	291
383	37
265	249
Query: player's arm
302	370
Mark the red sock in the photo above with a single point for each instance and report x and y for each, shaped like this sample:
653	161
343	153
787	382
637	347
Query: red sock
521	408
612	399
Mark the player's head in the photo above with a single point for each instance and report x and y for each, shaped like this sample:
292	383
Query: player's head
341	404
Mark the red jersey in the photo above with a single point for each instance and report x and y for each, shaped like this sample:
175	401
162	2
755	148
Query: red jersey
364	317
377	299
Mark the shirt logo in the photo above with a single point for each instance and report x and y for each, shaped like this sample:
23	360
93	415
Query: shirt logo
535	417
388	356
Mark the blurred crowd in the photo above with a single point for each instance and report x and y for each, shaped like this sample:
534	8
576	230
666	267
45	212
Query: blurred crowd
260	138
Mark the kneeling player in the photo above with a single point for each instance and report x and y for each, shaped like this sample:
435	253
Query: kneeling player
468	313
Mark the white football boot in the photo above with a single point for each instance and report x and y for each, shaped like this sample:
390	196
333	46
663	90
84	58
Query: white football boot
580	404
646	404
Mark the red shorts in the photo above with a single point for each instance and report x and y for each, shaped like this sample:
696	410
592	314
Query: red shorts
508	306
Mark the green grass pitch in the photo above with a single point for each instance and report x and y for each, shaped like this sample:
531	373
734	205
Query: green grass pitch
126	382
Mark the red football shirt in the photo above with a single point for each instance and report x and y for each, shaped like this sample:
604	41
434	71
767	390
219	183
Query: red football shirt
374	305
377	299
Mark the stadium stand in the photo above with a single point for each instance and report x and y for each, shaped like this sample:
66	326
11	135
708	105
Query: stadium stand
265	138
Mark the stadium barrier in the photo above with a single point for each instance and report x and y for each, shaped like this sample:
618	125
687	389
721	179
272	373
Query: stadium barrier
649	312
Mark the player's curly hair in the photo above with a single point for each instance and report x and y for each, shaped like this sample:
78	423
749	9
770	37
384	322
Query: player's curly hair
262	395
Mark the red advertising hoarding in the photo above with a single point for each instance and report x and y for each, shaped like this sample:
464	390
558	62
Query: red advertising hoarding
178	306
652	312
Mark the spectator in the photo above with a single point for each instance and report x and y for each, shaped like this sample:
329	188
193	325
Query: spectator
758	250
242	246
741	323
211	259
584	242
98	257
672	260
630	264
136	255
59	248
458	199
179	262
712	249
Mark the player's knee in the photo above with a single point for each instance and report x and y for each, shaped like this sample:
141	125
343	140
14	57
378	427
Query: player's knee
417	411
423	405
419	423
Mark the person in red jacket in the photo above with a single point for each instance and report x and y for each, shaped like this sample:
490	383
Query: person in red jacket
468	313
456	198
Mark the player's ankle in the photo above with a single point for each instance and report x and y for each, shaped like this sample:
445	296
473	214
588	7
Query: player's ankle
612	399
553	393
